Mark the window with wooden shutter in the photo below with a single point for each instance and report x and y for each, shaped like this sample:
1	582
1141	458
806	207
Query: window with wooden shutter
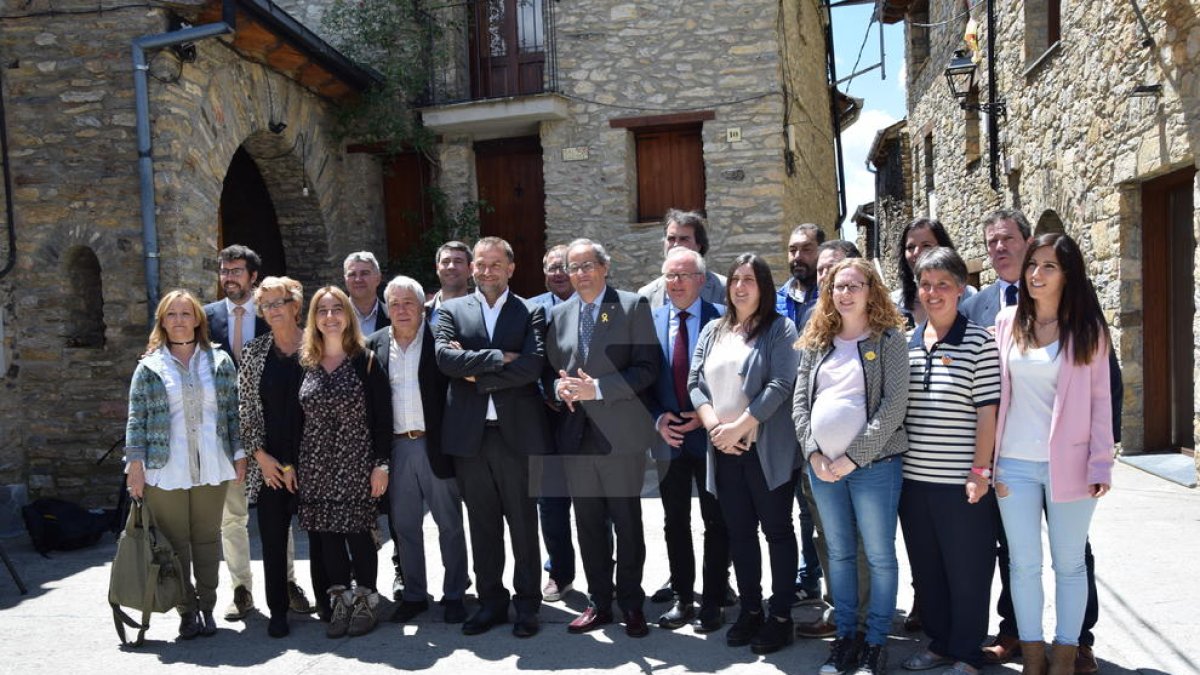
670	170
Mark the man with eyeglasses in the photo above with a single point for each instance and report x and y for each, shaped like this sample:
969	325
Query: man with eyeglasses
554	502
491	344
233	322
685	229
603	356
680	450
362	275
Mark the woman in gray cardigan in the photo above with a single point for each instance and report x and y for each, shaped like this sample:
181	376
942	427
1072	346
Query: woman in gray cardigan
741	378
849	407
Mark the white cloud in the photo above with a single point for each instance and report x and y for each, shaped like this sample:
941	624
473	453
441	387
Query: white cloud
856	142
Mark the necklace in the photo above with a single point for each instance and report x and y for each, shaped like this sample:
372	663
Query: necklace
181	344
1045	323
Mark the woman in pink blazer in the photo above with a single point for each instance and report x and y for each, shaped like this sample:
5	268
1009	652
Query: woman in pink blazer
1054	444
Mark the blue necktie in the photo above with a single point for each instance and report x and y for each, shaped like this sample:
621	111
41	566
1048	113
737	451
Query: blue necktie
1010	296
587	326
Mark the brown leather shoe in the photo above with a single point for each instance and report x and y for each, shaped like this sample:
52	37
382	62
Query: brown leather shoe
591	619
1085	661
1062	659
1001	650
818	629
635	624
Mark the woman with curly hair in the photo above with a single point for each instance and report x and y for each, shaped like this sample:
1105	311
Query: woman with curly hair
344	453
848	408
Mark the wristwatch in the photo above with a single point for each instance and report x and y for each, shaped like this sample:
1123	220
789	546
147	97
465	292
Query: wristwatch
982	471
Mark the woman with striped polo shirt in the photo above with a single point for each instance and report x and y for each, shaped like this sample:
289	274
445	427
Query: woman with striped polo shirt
946	511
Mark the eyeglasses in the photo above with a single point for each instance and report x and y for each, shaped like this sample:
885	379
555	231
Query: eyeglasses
231	271
271	306
849	288
555	269
582	268
672	277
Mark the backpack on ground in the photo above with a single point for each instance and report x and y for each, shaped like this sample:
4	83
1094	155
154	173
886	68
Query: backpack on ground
146	573
59	525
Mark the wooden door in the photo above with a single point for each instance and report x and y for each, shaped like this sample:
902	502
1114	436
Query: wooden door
508	48
670	170
509	177
1168	249
406	207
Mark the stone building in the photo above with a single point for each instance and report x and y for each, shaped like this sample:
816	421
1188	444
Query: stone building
1100	139
243	151
591	118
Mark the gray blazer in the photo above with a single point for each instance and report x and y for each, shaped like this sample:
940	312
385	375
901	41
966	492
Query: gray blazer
982	308
885	371
712	291
770	375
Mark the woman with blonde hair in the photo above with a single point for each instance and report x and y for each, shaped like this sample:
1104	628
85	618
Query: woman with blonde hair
344	452
848	408
182	447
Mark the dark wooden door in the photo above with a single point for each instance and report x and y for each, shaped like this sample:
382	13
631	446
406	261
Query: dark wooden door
509	176
406	207
670	168
508	48
1168	250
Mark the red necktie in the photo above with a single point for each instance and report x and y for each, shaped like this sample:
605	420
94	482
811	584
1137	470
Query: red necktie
680	360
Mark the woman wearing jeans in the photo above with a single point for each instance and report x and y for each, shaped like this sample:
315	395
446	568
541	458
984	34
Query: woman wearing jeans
849	406
1054	444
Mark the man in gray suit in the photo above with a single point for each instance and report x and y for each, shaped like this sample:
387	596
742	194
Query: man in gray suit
1006	235
491	345
421	475
689	230
603	356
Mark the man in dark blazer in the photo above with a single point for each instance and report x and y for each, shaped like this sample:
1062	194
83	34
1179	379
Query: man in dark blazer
421	475
1006	234
491	345
232	322
603	357
680	450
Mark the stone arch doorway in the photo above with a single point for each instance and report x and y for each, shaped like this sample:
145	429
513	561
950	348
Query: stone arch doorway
1049	222
268	204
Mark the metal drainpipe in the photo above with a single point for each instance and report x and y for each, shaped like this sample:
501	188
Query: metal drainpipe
145	158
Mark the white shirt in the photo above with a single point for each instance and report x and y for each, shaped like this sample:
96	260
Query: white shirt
247	320
839	408
192	395
723	369
366	322
490	315
1034	378
403	364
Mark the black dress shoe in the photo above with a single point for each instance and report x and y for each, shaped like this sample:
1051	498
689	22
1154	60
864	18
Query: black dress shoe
731	598
663	594
408	610
526	625
635	624
190	625
455	611
277	627
591	619
209	628
710	619
744	629
483	620
773	636
681	612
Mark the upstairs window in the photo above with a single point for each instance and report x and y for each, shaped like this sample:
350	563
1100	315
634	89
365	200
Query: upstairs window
670	170
1043	28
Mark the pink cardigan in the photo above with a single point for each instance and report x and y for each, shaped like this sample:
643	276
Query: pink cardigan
1081	439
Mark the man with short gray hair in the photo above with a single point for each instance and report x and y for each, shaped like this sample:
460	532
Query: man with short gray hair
362	276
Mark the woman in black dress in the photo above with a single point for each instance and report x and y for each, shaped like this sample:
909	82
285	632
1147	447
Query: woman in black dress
344	453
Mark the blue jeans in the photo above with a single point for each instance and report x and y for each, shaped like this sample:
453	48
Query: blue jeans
1028	492
864	504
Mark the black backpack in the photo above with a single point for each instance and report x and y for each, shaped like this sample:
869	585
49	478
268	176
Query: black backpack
60	525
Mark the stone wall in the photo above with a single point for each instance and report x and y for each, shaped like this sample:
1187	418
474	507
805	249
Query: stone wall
1079	146
621	59
69	96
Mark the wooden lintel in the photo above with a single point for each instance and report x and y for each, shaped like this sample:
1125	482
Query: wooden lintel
662	120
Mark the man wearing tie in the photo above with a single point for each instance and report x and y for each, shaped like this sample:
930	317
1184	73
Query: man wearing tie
680	450
232	323
603	356
491	345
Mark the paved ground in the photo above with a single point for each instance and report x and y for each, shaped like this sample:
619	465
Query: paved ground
1146	538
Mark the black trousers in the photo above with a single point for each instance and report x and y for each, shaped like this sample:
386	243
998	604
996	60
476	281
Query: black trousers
949	543
607	489
747	503
1004	606
675	487
276	507
495	489
348	556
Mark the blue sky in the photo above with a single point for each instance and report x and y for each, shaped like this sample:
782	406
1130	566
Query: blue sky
883	99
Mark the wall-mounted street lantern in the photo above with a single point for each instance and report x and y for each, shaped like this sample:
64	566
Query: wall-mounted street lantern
960	76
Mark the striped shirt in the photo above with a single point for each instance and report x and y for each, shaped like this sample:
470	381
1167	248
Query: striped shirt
947	384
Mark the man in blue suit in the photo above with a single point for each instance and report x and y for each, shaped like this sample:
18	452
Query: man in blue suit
554	502
680	450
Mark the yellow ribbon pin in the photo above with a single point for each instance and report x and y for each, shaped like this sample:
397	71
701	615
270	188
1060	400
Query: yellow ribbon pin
870	356
604	317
